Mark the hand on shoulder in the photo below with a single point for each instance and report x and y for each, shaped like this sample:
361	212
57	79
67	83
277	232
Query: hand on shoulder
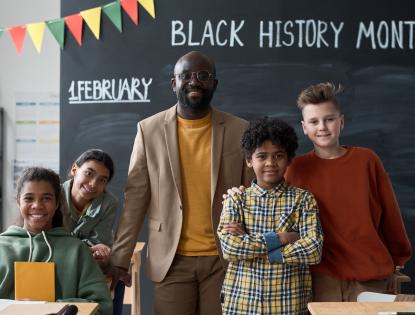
234	191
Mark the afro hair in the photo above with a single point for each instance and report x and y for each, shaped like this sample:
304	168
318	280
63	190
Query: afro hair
273	129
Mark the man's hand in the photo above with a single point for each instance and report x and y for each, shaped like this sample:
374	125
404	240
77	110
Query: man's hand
233	191
119	273
234	228
288	237
100	251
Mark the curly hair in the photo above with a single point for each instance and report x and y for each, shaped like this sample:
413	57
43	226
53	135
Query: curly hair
273	129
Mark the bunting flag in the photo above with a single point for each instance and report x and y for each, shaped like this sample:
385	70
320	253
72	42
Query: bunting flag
74	23
18	34
57	28
113	11
36	32
148	5
131	8
92	18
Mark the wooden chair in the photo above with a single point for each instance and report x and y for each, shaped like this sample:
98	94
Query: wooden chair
400	278
132	294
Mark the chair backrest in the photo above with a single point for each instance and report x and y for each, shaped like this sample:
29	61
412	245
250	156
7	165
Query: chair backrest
400	278
375	297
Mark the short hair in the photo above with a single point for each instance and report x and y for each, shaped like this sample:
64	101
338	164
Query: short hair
319	93
273	129
96	155
38	174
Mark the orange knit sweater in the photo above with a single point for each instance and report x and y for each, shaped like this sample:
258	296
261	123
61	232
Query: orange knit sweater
364	235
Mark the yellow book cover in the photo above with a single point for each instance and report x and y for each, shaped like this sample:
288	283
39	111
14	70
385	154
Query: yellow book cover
34	281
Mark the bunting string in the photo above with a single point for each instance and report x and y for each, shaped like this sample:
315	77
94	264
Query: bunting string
74	23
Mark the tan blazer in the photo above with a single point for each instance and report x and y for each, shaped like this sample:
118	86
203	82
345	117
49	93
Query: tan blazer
154	186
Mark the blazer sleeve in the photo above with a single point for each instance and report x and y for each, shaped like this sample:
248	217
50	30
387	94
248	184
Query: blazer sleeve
137	199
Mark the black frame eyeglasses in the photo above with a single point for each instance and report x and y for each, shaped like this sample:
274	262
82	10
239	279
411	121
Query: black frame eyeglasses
201	76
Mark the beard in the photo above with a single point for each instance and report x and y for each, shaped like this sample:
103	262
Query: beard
196	104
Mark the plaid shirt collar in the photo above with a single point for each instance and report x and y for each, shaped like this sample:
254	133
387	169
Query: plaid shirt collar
277	190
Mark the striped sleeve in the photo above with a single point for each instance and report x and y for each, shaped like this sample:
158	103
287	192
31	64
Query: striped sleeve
239	247
308	249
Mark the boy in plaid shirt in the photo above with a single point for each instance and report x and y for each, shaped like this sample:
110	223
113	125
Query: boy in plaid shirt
271	233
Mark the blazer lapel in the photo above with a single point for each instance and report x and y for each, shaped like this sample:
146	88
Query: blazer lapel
170	133
218	130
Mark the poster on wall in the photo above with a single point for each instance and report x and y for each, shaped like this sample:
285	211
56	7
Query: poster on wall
36	131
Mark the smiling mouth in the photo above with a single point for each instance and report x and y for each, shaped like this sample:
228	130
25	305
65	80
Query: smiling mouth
37	215
194	93
270	172
89	191
195	90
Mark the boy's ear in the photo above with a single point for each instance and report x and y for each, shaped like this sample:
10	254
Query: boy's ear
341	121
249	162
304	129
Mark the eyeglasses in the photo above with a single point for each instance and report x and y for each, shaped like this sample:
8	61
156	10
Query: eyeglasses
201	76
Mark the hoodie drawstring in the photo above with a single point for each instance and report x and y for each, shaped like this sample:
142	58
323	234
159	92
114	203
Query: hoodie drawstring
47	243
31	249
30	246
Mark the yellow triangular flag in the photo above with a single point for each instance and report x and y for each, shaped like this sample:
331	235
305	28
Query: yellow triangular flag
149	6
36	32
92	18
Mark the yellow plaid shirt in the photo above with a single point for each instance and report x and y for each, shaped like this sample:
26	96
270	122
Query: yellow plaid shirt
264	277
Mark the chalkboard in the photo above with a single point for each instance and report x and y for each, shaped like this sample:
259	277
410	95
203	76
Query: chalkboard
266	52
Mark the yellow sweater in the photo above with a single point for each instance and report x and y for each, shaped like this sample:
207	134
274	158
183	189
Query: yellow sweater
195	146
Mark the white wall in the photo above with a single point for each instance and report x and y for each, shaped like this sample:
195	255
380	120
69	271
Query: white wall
29	72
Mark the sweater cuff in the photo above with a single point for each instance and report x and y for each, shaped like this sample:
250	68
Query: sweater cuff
275	256
272	240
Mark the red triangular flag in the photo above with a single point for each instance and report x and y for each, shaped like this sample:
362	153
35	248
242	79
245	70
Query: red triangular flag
131	8
74	23
18	34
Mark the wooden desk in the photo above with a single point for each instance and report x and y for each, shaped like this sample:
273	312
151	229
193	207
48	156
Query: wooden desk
355	308
47	308
132	295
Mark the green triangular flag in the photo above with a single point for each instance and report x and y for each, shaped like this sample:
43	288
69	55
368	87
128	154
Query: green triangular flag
113	11
1	31
57	28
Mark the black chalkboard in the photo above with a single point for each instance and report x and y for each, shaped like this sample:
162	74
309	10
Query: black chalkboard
266	52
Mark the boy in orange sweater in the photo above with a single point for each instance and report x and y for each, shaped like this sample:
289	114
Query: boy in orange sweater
365	239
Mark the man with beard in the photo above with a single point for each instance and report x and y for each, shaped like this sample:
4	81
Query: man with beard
183	160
